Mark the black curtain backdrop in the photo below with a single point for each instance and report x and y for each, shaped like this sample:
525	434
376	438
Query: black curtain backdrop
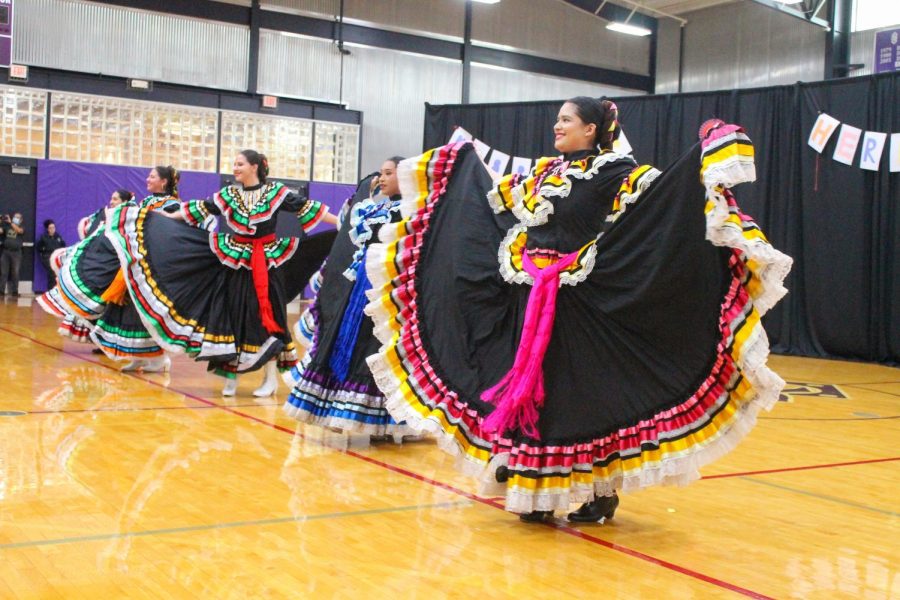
840	223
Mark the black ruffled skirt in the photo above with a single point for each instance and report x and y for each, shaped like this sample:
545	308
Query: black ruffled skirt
656	363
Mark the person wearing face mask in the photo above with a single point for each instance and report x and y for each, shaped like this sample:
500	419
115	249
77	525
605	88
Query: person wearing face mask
333	386
590	328
13	235
215	295
92	284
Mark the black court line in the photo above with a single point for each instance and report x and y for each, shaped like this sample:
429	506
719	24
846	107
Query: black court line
234	524
860	387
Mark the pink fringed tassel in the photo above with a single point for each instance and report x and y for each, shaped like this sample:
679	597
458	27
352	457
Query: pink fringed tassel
520	393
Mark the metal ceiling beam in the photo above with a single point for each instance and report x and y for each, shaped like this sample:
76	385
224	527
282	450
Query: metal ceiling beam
613	12
837	44
608	11
561	68
804	15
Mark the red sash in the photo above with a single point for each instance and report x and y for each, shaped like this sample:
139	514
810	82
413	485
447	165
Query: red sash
260	269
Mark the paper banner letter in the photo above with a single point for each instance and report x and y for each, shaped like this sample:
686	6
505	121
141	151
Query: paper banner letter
848	140
821	131
522	166
872	147
895	152
481	149
498	162
460	135
621	145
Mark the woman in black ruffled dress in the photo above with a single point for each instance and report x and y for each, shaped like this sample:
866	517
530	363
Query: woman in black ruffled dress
333	383
591	327
92	285
214	295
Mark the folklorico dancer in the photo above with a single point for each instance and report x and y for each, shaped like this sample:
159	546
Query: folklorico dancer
73	327
211	294
92	284
334	386
588	328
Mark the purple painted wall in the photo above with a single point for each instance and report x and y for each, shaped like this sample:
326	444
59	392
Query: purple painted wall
70	191
332	194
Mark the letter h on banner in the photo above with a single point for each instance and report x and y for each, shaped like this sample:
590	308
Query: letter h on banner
821	131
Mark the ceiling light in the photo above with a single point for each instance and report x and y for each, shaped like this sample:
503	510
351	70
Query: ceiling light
626	28
790	1
487	1
629	29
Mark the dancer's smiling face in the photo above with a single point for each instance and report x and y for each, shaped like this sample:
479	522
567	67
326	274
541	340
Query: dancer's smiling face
155	183
388	179
115	200
571	133
244	172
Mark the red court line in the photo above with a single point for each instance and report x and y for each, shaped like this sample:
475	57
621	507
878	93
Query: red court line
439	484
804	468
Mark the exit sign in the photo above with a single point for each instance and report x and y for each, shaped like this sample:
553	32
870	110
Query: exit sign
18	72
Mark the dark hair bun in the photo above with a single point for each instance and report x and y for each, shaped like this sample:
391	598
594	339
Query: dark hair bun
262	163
602	113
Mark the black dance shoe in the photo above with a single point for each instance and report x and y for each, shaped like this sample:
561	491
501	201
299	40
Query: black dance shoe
536	516
502	474
598	509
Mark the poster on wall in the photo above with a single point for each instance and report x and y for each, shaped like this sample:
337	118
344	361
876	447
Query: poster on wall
6	23
887	51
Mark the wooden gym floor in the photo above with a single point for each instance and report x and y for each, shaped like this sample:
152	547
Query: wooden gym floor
153	486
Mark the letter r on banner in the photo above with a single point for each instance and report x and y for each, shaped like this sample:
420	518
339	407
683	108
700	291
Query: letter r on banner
872	148
821	131
848	140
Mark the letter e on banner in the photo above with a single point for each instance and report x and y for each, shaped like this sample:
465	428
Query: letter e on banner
848	140
821	131
895	152
872	148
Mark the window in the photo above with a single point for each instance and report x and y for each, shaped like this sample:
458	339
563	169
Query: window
130	132
22	122
119	131
286	142
337	152
875	14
